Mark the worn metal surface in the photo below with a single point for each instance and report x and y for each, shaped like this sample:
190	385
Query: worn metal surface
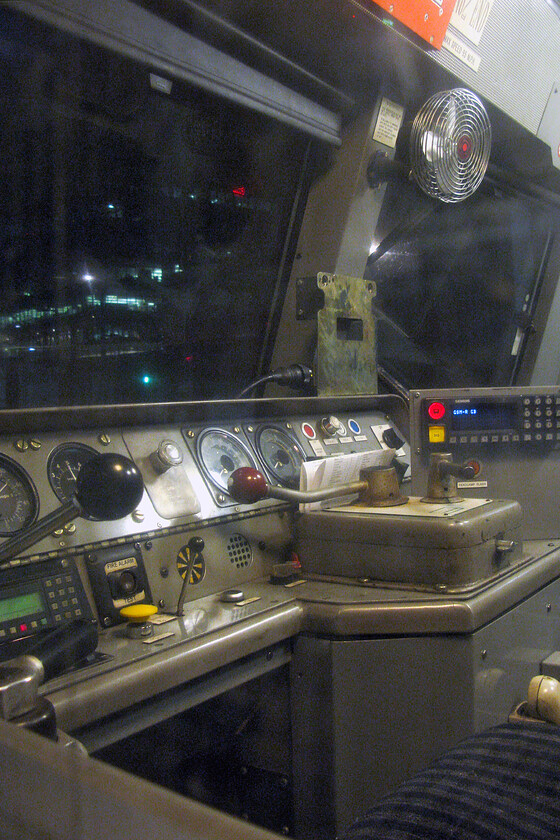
416	543
346	336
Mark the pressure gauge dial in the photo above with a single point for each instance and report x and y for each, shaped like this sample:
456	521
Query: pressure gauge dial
64	464
19	502
220	453
281	454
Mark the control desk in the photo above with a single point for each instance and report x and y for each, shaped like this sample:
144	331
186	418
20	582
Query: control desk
287	649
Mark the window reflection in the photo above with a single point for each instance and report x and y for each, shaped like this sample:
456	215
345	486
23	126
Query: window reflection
142	226
457	286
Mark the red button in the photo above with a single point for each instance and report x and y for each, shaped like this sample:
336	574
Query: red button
436	410
23	628
308	431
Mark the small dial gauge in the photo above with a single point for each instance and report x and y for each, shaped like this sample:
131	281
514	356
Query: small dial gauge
65	462
281	455
19	502
221	453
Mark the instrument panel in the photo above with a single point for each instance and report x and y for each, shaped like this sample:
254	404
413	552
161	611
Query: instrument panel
512	433
185	454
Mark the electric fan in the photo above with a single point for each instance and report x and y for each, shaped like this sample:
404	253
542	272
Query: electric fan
449	147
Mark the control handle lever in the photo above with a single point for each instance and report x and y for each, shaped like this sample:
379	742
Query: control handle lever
442	477
195	545
376	486
109	486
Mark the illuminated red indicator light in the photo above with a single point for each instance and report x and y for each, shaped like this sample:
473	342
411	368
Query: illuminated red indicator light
308	431
23	628
436	410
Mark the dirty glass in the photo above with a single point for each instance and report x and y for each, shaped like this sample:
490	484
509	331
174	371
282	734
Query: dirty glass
142	227
457	286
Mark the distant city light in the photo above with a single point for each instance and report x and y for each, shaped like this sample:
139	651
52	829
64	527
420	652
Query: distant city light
87	277
157	274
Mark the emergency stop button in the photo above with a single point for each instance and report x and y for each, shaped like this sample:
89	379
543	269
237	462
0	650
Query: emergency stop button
436	410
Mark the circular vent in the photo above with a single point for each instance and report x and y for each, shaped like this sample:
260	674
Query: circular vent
239	551
450	145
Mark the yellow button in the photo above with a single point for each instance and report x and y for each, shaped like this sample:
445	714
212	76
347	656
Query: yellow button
436	434
138	613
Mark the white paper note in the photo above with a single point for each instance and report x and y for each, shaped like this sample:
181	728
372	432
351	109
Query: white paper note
339	469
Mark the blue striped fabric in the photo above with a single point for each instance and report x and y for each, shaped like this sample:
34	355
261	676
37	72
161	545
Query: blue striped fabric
502	784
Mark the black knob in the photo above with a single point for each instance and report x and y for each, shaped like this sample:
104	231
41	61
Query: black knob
122	584
109	486
196	544
391	438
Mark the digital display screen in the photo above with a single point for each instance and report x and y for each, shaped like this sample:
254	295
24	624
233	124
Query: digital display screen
21	606
484	416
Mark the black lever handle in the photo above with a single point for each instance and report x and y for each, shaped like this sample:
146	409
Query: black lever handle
109	486
466	471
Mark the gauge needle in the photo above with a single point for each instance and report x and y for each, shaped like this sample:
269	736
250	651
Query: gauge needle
71	471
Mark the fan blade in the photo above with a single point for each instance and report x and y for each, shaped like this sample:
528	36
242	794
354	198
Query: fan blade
450	145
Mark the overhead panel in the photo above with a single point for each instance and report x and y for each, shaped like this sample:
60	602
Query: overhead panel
130	30
508	52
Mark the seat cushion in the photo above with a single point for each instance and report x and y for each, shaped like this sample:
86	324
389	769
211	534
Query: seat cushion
501	784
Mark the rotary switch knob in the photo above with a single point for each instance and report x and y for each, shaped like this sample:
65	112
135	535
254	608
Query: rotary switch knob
331	426
167	455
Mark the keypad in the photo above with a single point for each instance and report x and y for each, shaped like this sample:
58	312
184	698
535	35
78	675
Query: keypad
56	585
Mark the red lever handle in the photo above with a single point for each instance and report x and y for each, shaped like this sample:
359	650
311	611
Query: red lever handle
247	485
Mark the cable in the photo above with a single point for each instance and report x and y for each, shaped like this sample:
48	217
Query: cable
295	376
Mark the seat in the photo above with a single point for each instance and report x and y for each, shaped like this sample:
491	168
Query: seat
501	784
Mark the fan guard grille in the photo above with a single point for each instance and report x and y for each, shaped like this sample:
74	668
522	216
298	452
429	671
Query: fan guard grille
450	145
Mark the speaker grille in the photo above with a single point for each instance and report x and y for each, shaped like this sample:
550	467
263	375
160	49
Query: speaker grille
239	551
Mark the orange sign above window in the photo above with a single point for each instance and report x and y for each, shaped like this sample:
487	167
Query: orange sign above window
428	18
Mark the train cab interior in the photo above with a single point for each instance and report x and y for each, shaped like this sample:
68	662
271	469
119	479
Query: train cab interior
279	406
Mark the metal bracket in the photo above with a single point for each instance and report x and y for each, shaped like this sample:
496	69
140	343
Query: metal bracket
346	352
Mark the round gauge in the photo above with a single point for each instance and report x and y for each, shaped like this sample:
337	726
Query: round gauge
19	502
281	455
65	462
220	454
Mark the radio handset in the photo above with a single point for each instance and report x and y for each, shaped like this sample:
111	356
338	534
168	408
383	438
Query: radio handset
543	699
50	655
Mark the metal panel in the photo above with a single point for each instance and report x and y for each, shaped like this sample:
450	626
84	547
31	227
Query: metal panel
64	795
125	27
369	713
519	52
526	471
